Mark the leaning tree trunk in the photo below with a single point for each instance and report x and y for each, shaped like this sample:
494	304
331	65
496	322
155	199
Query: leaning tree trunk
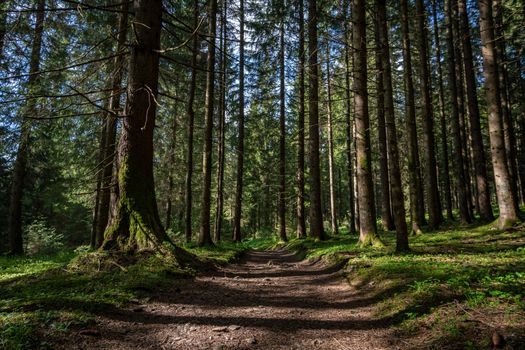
301	217
508	214
282	135
205	231
333	209
386	211
398	202
445	173
435	216
413	153
16	245
454	120
478	150
240	142
367	222
316	211
188	196
136	223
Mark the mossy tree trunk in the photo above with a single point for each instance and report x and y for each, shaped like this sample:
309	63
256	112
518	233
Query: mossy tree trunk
136	223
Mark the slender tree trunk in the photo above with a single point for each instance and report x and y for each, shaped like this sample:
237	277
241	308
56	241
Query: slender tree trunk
316	211
478	151
367	227
443	122
240	143
171	164
301	217
188	197
333	208
386	211
136	223
508	213
222	120
454	120
348	107
434	203
413	153
282	137
398	202
16	245
205	234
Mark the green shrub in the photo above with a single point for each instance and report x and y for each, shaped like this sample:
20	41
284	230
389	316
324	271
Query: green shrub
42	239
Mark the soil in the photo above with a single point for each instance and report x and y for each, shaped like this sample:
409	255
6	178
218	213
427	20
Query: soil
269	300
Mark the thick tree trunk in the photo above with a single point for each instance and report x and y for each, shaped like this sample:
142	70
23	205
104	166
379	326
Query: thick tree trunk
205	231
367	219
331	180
434	203
348	110
222	120
508	213
301	217
413	153
16	245
386	211
398	202
136	223
316	211
454	120
240	142
188	196
445	173
478	151
282	136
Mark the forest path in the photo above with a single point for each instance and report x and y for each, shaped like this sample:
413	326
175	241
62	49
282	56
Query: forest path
269	300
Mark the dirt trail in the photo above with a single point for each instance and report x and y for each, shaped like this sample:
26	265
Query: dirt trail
270	300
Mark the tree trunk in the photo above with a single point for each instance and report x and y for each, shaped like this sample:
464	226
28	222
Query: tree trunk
282	136
16	245
456	136
367	222
445	174
413	153
316	211
136	223
478	150
508	213
240	142
386	211
222	120
301	217
333	208
434	203
188	197
171	163
398	202
348	108
205	234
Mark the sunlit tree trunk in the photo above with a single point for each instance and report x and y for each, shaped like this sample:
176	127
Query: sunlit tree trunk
331	179
282	136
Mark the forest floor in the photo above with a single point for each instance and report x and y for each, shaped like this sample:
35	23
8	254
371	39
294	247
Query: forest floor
456	289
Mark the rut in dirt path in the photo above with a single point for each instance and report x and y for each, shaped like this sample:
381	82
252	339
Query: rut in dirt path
270	300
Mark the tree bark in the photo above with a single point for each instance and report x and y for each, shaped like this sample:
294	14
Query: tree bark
398	202
454	121
478	150
188	197
333	208
508	213
445	174
136	223
16	245
367	222
413	153
386	211
434	203
282	136
301	217
240	142
205	231
316	211
171	164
